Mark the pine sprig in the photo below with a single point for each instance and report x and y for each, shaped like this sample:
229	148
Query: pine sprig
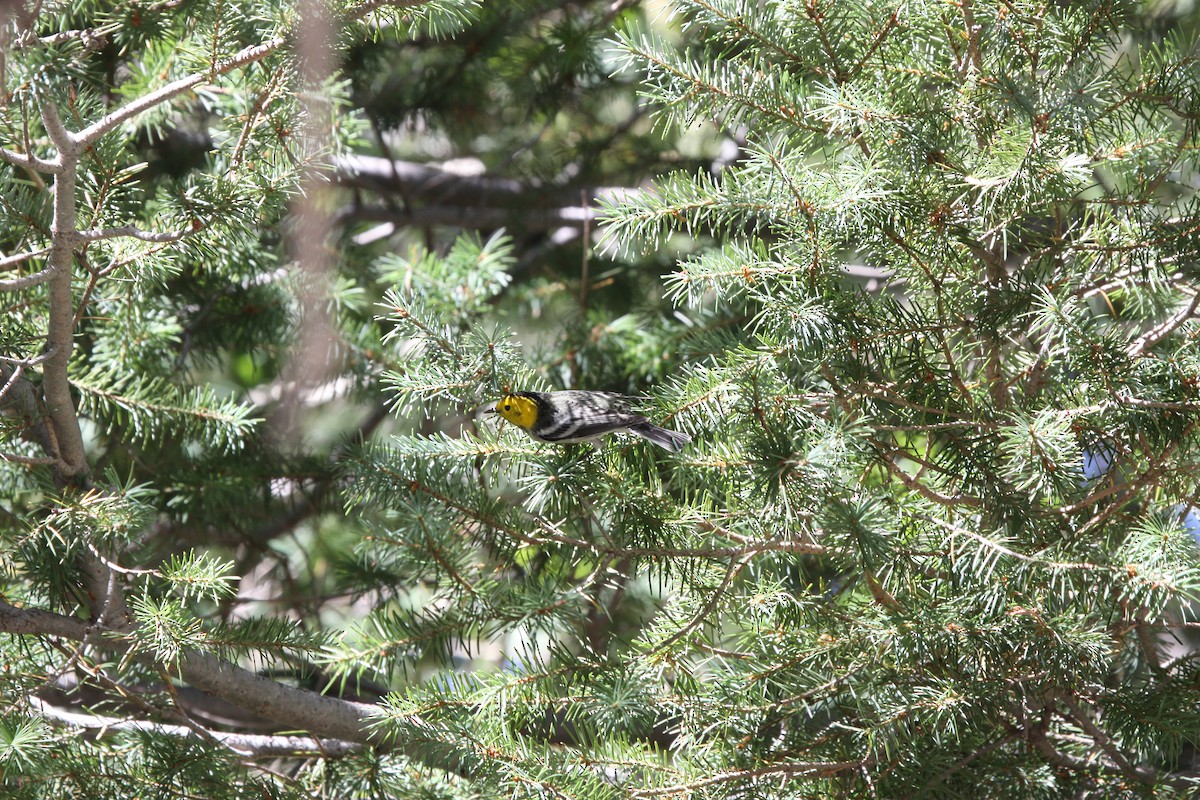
150	409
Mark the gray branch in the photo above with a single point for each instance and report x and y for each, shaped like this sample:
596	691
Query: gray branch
132	231
575	217
60	339
19	392
253	744
293	707
25	281
437	195
111	120
30	161
1153	337
13	260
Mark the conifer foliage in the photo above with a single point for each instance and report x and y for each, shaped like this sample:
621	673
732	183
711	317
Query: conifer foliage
929	317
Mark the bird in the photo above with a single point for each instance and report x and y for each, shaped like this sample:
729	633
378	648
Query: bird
576	416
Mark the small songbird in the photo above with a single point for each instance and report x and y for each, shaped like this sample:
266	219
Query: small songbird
576	416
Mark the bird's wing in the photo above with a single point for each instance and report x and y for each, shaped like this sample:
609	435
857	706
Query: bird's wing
588	418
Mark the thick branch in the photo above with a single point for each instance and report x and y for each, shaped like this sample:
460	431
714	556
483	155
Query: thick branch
60	338
293	707
440	196
429	183
19	392
247	743
576	217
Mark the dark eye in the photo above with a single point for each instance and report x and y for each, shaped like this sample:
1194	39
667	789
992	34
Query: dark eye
508	408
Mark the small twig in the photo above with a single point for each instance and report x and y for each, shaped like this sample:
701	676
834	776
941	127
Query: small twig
986	542
31	461
925	491
264	98
974	52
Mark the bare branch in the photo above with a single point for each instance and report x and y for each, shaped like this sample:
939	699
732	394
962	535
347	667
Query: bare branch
1152	337
1138	772
735	566
314	360
60	338
429	182
575	217
446	195
111	120
96	234
29	461
11	261
920	487
63	139
18	370
25	281
29	161
293	707
21	394
244	743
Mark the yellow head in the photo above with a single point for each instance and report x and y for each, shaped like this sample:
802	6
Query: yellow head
518	409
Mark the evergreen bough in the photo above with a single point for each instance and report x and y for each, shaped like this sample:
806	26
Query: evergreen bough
933	336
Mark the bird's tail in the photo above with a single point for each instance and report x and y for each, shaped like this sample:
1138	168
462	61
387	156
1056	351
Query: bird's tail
667	440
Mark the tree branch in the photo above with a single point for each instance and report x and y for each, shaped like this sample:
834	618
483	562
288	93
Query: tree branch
13	260
363	9
1038	737
245	743
449	197
25	281
23	396
111	120
30	162
293	707
97	234
576	217
1152	337
60	338
773	770
1138	772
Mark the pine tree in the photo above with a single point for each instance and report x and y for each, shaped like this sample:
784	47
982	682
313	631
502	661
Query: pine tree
929	318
